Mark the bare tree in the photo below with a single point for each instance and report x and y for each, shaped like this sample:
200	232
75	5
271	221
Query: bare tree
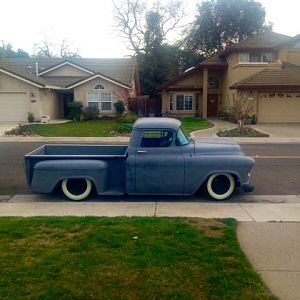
242	108
130	17
47	48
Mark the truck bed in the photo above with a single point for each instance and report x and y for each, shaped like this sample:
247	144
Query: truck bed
114	155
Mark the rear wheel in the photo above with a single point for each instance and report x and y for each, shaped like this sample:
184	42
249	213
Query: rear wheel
76	188
220	185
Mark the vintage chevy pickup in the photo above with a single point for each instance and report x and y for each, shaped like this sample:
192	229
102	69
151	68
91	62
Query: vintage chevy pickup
159	160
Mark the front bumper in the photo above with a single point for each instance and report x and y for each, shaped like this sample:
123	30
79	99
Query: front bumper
247	187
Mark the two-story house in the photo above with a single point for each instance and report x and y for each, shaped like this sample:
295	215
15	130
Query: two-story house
265	68
45	86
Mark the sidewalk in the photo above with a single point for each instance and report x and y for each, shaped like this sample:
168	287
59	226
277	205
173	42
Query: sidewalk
250	208
273	250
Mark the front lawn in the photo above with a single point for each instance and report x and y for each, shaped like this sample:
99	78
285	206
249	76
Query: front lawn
124	258
102	128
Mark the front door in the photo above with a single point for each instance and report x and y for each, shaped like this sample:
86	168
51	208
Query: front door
212	105
159	164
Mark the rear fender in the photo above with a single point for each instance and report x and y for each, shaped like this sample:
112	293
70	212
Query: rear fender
47	174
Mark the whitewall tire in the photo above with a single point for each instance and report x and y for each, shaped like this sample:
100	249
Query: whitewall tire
220	185
80	190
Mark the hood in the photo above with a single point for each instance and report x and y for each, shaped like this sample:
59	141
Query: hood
216	146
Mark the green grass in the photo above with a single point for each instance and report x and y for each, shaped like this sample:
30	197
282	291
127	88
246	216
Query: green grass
100	258
101	128
192	124
79	129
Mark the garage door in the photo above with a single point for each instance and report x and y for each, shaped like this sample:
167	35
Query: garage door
13	107
279	107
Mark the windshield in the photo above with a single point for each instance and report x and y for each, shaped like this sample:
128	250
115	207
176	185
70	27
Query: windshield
181	139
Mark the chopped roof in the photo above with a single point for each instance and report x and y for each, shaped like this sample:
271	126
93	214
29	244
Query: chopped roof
287	76
157	123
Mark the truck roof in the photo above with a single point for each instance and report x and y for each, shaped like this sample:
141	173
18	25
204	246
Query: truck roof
157	123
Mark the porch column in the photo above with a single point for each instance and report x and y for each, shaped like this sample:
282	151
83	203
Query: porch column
204	98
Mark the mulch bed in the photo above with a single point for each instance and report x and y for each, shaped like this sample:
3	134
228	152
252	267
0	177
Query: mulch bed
245	132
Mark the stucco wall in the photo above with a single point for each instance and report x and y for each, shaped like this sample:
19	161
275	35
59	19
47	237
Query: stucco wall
118	92
52	106
11	84
67	70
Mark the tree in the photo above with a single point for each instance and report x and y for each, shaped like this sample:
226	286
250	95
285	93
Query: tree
50	49
242	108
6	51
220	23
140	25
145	31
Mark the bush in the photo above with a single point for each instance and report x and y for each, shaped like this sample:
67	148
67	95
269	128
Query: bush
119	107
129	118
125	128
20	130
90	113
30	117
75	110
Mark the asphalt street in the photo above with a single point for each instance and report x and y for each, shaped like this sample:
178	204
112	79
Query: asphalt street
277	169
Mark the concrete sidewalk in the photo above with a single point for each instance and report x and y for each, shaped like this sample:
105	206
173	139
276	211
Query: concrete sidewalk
273	250
253	208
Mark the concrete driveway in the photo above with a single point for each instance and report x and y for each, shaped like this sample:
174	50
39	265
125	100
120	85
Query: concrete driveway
280	130
6	126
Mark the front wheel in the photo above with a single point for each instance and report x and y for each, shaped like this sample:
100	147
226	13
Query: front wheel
220	185
76	188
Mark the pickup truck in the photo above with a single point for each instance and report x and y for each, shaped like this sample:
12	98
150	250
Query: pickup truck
159	160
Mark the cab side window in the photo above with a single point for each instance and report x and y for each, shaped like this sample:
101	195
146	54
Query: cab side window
157	138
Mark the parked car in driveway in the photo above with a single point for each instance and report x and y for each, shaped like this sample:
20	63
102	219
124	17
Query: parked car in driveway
159	160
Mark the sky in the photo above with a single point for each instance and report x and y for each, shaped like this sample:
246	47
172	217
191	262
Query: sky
89	26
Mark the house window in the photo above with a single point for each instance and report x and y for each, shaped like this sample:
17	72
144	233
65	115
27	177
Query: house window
184	102
103	98
213	82
255	57
93	100
105	101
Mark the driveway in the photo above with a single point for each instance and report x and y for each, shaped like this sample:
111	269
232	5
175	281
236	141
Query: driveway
280	130
6	126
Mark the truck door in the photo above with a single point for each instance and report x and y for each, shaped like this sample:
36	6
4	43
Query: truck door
159	163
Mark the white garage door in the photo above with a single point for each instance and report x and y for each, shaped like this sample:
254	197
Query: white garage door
13	107
279	108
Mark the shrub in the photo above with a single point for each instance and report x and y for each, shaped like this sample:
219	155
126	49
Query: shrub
119	107
129	118
20	130
125	128
30	117
90	113
75	110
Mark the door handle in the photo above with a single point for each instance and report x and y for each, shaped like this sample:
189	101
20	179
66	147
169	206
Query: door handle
142	151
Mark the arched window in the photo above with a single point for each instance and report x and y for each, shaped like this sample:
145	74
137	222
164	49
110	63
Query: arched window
213	82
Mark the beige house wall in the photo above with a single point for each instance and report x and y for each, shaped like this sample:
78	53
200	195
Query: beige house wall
11	84
66	70
52	106
118	92
39	101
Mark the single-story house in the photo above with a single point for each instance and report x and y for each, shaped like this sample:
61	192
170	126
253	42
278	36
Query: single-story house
45	86
265	68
